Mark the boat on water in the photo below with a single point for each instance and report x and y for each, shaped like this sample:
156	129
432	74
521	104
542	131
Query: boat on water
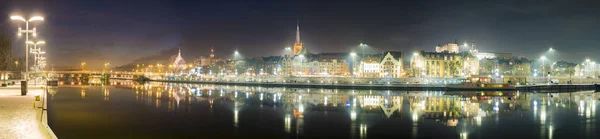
481	86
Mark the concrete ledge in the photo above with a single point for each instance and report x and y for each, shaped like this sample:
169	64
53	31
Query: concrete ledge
50	134
46	127
408	87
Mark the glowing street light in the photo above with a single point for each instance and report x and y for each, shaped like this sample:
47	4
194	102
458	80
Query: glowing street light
27	31
543	58
362	45
236	54
37	53
288	51
106	64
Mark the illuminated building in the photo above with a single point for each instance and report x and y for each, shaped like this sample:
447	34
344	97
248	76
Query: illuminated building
323	64
445	64
449	47
177	62
370	67
391	65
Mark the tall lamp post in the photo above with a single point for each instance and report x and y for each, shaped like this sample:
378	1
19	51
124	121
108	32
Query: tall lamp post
362	45
551	50
106	64
543	58
27	31
37	53
288	51
353	54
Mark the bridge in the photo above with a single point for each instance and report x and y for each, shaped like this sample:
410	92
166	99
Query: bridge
93	76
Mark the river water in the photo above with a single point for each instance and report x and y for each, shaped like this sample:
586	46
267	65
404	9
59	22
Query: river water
164	110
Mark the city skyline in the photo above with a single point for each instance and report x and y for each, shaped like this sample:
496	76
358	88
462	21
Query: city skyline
120	35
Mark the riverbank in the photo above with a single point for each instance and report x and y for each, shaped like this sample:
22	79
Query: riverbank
22	116
407	87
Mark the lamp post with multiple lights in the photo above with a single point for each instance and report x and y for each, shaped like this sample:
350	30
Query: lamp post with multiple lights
37	54
362	45
26	32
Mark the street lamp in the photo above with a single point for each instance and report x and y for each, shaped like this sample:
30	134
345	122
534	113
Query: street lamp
353	54
551	50
543	58
37	53
235	54
106	64
27	31
362	45
288	50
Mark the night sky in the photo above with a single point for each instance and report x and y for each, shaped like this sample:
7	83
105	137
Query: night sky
120	31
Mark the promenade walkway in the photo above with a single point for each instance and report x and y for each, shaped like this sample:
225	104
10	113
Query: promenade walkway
21	116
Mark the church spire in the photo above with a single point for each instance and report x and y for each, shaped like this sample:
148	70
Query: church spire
179	52
297	32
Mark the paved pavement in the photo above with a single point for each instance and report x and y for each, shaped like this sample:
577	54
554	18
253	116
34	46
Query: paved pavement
19	118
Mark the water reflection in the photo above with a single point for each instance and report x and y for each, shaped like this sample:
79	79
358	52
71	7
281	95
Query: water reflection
367	112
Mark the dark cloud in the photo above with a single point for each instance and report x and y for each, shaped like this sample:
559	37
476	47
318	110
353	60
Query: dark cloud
122	31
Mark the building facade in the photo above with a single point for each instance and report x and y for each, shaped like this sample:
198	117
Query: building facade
391	65
444	65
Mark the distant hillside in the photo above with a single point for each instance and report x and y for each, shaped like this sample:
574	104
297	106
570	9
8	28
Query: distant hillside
161	57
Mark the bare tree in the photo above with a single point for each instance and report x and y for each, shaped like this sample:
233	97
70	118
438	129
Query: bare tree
5	55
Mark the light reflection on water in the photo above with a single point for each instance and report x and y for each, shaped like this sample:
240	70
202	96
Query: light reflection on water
294	112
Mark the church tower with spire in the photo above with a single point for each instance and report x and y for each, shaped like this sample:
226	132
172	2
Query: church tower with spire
298	43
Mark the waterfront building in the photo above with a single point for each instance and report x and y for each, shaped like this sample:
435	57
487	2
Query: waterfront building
391	65
505	67
388	64
444	64
370	67
271	65
323	64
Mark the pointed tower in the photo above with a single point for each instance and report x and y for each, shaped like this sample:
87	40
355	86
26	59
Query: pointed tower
298	43
177	62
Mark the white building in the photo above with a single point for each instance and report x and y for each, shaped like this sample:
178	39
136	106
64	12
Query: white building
450	47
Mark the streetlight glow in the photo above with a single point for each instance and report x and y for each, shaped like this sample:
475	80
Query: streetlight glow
353	54
36	18
27	31
543	58
17	18
36	43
